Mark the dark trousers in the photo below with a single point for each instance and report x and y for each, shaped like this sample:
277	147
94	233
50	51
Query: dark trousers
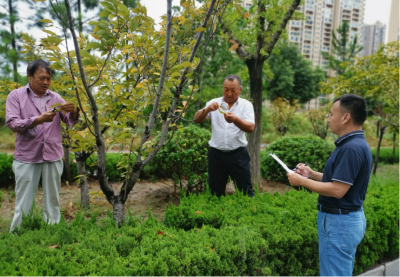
235	164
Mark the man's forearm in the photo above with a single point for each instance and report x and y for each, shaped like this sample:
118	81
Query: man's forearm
317	176
35	123
201	115
244	125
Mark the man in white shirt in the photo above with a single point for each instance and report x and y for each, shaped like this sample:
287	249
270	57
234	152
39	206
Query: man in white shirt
227	155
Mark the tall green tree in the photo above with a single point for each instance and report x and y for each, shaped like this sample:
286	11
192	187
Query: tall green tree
253	35
344	50
8	39
293	75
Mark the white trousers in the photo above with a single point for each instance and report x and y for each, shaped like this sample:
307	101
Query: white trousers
27	178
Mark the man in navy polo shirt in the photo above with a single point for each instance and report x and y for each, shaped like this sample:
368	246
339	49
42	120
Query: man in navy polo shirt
341	188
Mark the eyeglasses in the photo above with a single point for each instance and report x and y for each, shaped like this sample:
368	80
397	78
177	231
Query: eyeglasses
328	115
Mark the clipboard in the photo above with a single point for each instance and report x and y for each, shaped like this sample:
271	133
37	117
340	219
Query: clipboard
281	163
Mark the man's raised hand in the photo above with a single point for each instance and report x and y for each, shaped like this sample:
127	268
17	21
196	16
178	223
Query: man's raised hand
69	107
230	117
213	107
47	117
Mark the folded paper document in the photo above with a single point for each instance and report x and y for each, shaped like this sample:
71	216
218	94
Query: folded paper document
281	163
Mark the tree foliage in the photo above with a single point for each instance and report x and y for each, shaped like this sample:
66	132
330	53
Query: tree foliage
293	75
130	105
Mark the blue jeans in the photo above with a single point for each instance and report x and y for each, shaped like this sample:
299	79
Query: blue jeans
338	237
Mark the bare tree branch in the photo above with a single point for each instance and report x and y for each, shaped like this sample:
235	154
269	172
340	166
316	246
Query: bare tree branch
282	27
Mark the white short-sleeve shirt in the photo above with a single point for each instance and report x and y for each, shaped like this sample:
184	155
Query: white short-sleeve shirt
227	136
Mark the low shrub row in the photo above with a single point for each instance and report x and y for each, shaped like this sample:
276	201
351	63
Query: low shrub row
293	150
86	248
386	155
288	224
185	157
205	235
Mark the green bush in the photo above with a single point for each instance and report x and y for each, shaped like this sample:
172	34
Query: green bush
293	150
185	156
6	173
386	155
288	224
205	235
86	248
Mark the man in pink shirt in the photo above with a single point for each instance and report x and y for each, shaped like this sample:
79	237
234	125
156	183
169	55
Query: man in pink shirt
38	151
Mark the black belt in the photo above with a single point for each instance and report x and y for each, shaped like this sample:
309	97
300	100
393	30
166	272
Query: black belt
335	211
229	151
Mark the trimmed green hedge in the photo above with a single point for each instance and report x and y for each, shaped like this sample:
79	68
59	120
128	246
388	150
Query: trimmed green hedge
205	235
288	224
293	150
386	155
185	156
6	173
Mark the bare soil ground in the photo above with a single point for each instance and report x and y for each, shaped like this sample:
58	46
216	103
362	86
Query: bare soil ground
146	195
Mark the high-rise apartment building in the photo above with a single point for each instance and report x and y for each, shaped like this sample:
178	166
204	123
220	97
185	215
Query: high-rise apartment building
374	37
314	34
394	28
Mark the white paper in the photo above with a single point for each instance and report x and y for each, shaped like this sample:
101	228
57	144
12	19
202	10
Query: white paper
281	163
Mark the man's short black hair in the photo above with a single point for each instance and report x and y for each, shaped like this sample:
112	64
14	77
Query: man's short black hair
232	77
35	65
355	105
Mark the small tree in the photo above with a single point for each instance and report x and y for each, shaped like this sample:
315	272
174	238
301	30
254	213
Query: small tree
283	114
319	121
344	51
162	64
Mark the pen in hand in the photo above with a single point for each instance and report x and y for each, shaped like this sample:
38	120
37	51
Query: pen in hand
303	165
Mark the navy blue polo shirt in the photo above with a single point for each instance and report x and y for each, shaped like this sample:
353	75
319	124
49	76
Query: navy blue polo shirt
350	163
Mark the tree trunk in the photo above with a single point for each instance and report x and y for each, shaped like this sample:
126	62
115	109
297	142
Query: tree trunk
255	73
382	130
80	17
118	211
13	42
377	128
81	167
67	163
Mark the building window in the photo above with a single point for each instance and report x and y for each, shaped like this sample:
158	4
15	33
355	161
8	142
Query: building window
295	33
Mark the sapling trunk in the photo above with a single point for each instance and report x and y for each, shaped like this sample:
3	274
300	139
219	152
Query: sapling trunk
382	132
81	158
67	163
